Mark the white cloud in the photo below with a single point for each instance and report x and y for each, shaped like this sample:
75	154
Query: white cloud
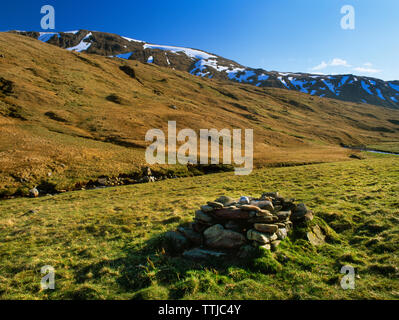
321	66
338	62
366	70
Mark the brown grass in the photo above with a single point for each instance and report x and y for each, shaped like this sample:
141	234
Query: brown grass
80	116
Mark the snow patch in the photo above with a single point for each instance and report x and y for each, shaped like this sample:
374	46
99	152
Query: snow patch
283	81
134	40
192	53
83	45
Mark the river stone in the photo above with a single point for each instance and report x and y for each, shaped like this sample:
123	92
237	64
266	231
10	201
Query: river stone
191	235
264	204
202	216
248	207
175	241
316	236
201	254
102	181
33	193
282	233
216	205
226	201
257	236
206	208
217	237
266	228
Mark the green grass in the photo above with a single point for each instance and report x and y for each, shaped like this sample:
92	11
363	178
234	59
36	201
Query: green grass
105	244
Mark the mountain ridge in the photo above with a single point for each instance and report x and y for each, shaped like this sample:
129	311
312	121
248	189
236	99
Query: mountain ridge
346	87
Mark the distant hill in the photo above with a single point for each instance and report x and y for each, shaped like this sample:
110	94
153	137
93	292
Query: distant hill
346	87
68	117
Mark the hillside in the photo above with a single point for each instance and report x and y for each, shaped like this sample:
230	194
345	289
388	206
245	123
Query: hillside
345	87
67	117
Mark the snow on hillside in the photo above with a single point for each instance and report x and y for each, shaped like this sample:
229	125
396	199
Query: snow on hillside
344	87
83	45
192	53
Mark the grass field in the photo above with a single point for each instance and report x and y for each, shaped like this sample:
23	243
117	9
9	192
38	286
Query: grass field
105	244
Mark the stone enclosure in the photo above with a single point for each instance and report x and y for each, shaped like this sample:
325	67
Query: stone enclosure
229	226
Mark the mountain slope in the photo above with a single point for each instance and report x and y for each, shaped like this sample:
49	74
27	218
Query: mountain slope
343	87
67	117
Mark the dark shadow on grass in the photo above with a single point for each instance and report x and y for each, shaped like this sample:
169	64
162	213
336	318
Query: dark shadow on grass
147	264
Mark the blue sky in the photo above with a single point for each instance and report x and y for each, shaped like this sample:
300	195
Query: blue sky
283	35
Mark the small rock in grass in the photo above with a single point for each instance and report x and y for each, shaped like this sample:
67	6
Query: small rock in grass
316	236
33	193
